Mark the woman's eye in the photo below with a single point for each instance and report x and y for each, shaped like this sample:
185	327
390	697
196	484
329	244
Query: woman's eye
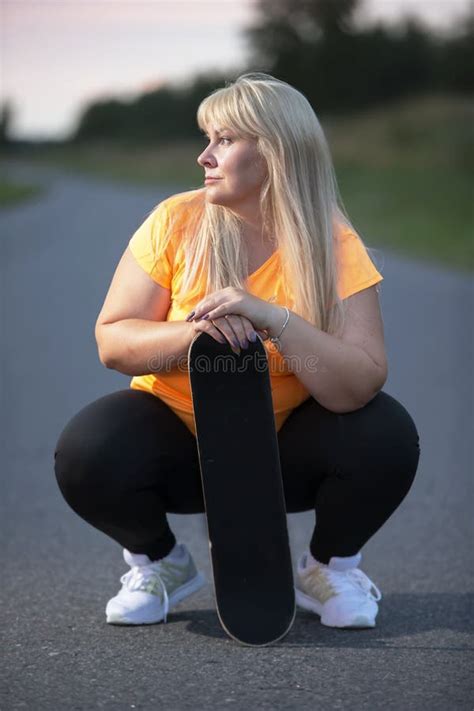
222	138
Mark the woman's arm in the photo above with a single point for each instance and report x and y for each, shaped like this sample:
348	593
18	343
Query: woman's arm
132	333
342	373
139	347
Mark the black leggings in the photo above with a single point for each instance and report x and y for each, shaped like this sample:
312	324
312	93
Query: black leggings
126	459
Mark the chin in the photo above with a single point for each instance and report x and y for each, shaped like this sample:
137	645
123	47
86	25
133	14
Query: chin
214	197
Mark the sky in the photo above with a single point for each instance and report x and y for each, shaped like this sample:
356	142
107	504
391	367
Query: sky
56	56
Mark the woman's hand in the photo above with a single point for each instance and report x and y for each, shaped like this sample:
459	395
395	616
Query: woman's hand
235	301
237	330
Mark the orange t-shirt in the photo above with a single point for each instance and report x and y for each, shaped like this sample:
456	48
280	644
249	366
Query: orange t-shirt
356	272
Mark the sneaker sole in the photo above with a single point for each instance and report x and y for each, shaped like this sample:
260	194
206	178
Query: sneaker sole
138	618
308	603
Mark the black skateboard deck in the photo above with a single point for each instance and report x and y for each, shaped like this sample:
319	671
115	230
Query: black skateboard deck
243	490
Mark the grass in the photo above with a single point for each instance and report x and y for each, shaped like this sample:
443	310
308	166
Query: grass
12	194
421	214
404	173
405	176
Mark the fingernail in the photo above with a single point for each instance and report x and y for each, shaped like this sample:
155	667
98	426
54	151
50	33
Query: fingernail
253	336
190	315
206	316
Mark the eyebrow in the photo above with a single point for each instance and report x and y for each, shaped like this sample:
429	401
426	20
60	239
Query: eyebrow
219	131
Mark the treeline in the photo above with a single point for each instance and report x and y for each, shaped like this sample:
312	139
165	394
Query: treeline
161	115
316	46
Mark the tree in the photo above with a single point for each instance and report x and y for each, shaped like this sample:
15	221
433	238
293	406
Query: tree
6	115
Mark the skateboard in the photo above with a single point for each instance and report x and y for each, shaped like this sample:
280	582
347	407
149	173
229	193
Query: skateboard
242	490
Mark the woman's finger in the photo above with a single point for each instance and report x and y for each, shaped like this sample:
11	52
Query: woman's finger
225	326
217	334
250	331
235	323
232	328
211	330
240	326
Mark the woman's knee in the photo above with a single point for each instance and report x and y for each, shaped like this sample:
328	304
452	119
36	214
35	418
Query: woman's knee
84	447
75	460
383	432
402	435
395	419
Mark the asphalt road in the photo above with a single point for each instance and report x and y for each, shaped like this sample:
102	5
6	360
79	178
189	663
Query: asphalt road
58	255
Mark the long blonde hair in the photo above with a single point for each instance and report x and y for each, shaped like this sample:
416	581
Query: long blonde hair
300	201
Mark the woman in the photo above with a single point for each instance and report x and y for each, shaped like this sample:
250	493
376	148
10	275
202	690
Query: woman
263	248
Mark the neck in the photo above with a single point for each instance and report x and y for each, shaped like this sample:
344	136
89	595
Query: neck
253	233
252	228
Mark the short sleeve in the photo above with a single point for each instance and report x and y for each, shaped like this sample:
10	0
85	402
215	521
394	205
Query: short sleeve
148	246
356	270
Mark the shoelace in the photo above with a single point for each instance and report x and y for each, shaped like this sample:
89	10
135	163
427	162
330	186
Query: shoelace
339	581
139	575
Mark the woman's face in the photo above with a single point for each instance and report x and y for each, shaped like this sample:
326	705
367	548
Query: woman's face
237	165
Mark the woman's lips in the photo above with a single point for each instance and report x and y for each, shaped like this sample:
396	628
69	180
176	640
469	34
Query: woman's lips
211	180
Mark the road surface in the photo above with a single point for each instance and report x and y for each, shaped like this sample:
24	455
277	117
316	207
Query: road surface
58	254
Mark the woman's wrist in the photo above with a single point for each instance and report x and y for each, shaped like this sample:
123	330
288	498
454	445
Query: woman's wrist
276	321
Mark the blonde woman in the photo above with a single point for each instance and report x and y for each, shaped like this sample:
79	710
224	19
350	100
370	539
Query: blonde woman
263	249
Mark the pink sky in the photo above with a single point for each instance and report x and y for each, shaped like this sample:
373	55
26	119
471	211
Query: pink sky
56	55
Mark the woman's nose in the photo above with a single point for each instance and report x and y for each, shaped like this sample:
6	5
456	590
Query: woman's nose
205	158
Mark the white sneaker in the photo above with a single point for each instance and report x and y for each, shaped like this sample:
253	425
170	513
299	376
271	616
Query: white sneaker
339	592
151	588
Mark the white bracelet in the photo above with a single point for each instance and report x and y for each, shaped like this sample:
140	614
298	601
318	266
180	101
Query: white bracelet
276	339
